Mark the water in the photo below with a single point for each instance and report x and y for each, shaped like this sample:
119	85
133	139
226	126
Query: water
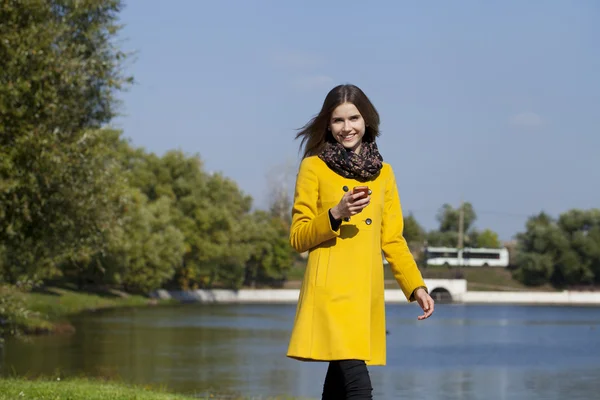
462	352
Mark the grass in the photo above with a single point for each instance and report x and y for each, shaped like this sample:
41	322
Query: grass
478	279
92	389
482	279
50	308
79	389
56	303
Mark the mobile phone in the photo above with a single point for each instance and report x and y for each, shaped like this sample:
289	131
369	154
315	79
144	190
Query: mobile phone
362	189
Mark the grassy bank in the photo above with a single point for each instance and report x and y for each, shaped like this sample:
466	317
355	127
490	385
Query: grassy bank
89	389
48	310
79	389
483	278
478	279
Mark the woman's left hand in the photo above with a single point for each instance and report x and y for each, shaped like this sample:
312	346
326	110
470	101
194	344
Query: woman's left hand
426	303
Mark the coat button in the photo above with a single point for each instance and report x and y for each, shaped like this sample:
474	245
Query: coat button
345	188
368	221
346	219
370	191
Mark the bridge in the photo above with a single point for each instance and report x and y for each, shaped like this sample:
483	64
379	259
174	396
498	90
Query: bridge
442	290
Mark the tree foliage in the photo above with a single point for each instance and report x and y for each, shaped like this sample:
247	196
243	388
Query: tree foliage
486	238
413	232
563	252
60	70
78	202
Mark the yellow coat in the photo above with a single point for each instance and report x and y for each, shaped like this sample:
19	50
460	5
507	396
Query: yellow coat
341	309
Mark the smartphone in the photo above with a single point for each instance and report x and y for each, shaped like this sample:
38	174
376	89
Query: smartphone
362	189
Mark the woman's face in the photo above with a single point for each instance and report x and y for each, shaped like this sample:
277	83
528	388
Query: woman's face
347	126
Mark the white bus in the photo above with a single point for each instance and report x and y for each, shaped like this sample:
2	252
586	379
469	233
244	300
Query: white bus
467	257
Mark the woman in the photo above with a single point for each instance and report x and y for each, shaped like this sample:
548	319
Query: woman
340	317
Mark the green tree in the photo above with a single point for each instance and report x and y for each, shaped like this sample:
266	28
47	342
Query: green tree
581	264
147	248
562	252
447	234
436	238
209	210
413	231
60	71
61	209
271	255
486	238
534	269
448	217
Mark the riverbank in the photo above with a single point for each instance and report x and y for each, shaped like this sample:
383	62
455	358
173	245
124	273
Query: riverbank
392	296
94	389
80	389
563	298
48	310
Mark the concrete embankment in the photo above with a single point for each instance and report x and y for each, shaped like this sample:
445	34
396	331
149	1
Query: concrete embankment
290	296
559	298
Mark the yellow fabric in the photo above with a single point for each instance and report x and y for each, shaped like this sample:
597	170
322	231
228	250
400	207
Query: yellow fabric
341	310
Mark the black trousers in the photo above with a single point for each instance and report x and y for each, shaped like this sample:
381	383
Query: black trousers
347	379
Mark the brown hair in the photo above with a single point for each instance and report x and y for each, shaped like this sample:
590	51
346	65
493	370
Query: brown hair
315	134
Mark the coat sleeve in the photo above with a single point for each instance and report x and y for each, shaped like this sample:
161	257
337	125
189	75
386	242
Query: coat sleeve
393	244
309	228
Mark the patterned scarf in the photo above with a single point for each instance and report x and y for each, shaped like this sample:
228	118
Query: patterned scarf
362	167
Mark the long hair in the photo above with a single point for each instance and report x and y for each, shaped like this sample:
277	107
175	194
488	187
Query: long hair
315	134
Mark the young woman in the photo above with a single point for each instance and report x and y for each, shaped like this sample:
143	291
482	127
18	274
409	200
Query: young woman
340	317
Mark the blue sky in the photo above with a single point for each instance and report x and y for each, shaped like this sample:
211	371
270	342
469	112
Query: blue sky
497	103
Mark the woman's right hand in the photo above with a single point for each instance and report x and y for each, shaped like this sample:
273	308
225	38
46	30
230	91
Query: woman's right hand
350	204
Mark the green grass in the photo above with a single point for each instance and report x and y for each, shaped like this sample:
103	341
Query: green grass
56	303
478	279
49	309
79	389
91	389
482	279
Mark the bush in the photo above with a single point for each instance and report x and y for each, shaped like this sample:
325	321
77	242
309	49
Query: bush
13	311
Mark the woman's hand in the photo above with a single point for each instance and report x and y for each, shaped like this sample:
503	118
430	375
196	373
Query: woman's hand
350	204
426	303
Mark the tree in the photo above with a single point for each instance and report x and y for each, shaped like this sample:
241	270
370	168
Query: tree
145	251
447	234
486	238
448	217
534	269
209	210
61	208
437	238
413	232
562	252
60	71
271	255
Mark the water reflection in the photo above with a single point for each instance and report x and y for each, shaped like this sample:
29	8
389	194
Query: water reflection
465	352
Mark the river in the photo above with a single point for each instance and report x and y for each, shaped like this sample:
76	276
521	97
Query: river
462	352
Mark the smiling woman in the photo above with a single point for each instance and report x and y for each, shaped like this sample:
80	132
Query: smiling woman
340	318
